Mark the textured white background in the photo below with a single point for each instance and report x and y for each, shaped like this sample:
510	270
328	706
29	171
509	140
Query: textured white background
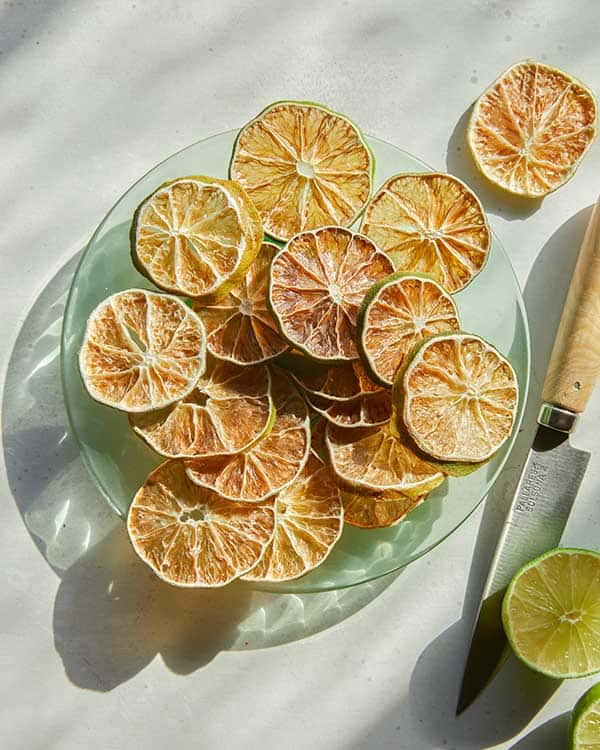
93	653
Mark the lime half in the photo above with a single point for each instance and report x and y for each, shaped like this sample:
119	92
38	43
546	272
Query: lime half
585	722
551	613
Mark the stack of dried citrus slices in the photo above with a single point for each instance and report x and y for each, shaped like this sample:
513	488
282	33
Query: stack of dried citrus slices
298	384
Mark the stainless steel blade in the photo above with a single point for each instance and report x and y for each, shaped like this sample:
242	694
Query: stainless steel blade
543	500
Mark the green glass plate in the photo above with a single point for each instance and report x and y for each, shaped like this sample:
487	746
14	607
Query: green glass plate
118	461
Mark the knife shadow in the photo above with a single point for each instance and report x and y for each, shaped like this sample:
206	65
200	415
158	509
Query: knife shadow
516	694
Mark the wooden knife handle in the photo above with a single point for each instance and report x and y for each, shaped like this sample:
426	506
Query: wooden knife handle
575	362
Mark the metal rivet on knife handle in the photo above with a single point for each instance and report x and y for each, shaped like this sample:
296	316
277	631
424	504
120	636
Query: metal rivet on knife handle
575	361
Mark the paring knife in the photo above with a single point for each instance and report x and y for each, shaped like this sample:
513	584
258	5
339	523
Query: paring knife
554	469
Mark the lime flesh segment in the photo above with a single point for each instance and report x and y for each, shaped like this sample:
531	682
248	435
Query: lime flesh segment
551	613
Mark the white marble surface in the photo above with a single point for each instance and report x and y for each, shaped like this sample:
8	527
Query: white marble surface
93	653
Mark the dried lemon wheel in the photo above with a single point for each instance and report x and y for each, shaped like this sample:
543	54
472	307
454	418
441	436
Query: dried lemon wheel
460	398
379	458
268	465
141	350
318	282
196	236
432	224
338	382
228	410
396	315
376	510
362	411
304	167
309	521
190	536
530	129
240	327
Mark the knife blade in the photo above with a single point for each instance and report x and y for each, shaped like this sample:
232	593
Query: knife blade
554	469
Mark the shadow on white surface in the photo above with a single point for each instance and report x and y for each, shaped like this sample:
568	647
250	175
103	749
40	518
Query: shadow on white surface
517	694
112	616
459	162
552	735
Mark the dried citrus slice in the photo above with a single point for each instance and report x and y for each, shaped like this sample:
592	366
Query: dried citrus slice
396	315
379	458
240	327
551	613
272	462
530	129
432	224
196	236
338	382
141	350
460	398
309	521
362	411
304	167
190	536
318	282
376	510
228	410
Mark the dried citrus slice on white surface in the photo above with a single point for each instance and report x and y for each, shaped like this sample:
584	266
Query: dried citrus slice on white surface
271	463
396	315
240	327
379	458
362	411
460	398
376	510
309	521
190	536
303	166
142	350
551	613
430	223
530	129
228	410
196	236
318	282
338	382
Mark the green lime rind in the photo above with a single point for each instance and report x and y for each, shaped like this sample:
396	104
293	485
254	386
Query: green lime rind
316	105
245	260
452	467
364	309
589	701
510	591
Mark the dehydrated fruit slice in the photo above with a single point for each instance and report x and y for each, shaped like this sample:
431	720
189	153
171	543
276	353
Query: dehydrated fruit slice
362	411
196	236
379	458
430	223
460	398
396	315
338	382
531	128
141	351
303	166
228	410
272	462
190	536
309	521
318	283
240	327
376	510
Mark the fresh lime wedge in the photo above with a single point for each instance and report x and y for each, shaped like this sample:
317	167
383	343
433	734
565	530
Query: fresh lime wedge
585	721
551	613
